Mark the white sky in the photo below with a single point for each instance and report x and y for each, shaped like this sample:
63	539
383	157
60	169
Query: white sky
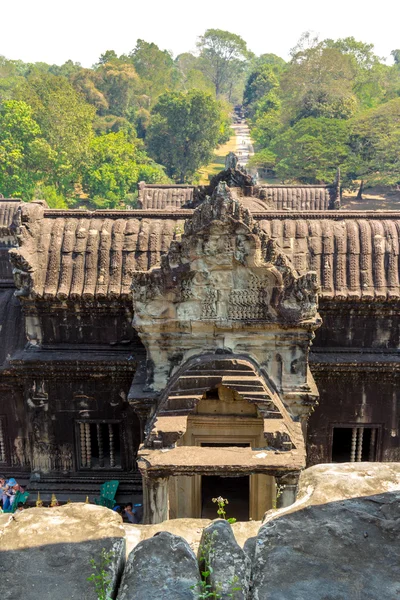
54	31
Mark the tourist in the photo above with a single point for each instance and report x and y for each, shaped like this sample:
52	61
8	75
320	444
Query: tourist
2	489
11	487
131	514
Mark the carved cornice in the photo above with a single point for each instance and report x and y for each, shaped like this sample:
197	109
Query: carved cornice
73	368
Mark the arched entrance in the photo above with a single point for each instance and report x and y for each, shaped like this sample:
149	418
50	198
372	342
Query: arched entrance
218	417
223	419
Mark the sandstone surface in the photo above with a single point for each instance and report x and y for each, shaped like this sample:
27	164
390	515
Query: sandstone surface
190	529
45	552
228	564
163	566
339	541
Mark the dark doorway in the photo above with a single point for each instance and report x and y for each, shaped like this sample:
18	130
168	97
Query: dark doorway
235	489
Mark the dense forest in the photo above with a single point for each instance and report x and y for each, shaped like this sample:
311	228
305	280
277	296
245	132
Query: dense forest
78	136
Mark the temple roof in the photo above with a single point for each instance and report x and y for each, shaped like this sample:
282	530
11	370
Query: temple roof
306	197
269	197
8	209
165	197
93	255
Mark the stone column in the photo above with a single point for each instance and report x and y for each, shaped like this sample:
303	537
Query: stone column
155	499
142	409
287	485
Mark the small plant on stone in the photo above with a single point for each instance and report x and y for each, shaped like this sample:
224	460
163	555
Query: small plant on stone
221	512
101	577
279	492
204	587
235	587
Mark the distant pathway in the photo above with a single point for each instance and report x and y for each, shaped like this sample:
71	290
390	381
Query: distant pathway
244	147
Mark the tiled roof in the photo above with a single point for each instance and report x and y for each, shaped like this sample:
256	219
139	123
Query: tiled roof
8	208
164	197
306	197
93	255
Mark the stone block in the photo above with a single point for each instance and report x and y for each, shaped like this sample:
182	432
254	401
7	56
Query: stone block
45	553
163	566
230	565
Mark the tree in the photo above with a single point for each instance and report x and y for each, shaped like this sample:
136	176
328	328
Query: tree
275	61
318	82
184	130
374	145
222	57
66	122
396	56
111	169
191	76
261	81
266	123
114	167
156	69
311	150
120	84
25	157
362	53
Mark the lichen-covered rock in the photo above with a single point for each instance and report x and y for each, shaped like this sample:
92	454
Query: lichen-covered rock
45	553
230	565
339	541
163	566
330	482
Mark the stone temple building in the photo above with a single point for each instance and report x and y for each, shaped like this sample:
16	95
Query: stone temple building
214	341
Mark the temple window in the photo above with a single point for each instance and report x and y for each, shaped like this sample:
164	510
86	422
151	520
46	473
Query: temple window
99	444
355	443
3	456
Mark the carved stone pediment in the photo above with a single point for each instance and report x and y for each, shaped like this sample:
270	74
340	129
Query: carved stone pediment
224	269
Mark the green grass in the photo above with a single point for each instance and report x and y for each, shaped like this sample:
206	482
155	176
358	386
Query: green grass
218	162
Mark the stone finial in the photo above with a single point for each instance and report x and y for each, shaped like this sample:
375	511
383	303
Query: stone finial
337	183
231	161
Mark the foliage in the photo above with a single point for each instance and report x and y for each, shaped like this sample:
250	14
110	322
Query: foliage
114	167
261	81
66	121
23	151
374	143
334	104
155	67
51	195
111	170
101	577
396	56
311	150
264	159
60	116
184	130
222	58
318	82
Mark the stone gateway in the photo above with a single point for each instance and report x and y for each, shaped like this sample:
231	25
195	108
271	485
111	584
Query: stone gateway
213	342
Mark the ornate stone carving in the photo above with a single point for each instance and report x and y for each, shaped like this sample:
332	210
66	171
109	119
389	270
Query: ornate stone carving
224	268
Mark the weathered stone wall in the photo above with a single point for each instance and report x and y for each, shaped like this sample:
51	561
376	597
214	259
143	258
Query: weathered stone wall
351	396
42	414
355	325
